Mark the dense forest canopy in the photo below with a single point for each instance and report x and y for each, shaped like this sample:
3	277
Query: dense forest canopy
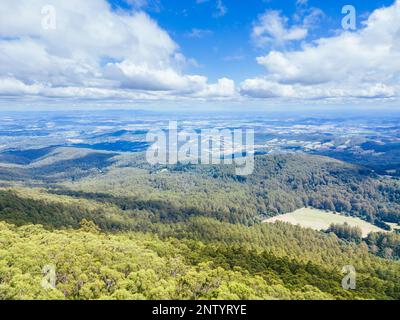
279	184
135	265
196	233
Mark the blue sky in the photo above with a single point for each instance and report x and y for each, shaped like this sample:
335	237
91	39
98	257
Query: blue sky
197	52
223	45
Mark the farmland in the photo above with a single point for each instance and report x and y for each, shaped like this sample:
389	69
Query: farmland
321	220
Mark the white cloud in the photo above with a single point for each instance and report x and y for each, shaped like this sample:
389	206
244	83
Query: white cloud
272	28
263	88
13	87
97	53
361	64
93	50
223	88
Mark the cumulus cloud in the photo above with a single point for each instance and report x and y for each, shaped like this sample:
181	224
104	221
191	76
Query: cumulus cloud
223	88
272	28
93	50
364	63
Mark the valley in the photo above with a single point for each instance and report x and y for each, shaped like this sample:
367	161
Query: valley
112	224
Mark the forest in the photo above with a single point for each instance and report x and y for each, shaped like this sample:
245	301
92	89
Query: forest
196	233
279	184
91	264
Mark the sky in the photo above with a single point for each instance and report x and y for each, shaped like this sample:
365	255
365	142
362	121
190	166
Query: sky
199	53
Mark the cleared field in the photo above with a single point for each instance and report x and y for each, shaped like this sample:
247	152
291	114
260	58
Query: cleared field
321	220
